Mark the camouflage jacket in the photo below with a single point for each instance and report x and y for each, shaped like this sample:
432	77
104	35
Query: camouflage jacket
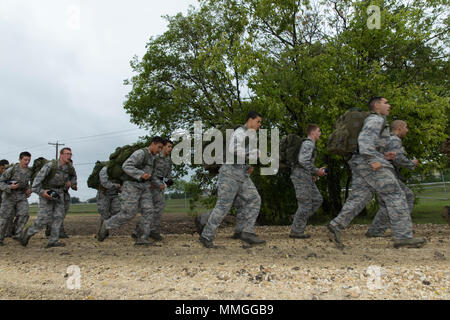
15	173
401	160
241	152
307	156
134	162
110	188
57	182
163	168
372	143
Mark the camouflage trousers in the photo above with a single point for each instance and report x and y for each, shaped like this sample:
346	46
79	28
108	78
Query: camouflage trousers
135	196
239	204
50	212
66	209
158	208
246	199
381	221
365	182
108	205
13	208
308	197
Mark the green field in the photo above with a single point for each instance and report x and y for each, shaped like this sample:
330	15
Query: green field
425	210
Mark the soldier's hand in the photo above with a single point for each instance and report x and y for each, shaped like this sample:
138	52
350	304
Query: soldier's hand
75	187
162	187
416	162
321	172
250	171
28	192
376	166
46	195
314	178
390	155
68	184
14	186
146	176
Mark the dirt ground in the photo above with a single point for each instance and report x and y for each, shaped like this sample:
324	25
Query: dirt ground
180	268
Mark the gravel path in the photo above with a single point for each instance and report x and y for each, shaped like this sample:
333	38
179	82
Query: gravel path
181	269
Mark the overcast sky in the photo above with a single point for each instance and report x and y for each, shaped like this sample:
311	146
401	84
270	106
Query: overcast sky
62	66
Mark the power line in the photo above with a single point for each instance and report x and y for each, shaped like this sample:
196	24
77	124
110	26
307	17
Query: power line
57	144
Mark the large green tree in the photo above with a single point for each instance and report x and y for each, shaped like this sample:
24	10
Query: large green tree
297	62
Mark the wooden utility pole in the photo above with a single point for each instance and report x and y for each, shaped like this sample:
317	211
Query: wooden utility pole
57	144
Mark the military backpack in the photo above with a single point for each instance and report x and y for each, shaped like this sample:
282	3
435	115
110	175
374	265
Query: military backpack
93	180
290	146
119	156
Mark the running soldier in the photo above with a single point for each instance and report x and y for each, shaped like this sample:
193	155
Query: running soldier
163	172
108	201
371	173
15	183
399	130
234	183
73	185
303	178
49	184
139	168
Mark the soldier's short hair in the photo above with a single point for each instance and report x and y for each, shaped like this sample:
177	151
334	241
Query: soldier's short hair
157	140
64	149
397	124
310	128
4	162
24	154
373	101
253	115
166	141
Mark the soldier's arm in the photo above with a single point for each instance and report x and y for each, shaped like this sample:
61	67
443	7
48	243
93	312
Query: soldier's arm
401	160
104	179
366	140
6	176
37	183
305	157
73	177
129	166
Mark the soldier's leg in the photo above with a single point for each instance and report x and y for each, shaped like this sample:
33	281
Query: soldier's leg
62	232
23	215
303	193
58	213
7	210
381	221
248	195
227	190
239	204
317	198
359	197
147	209
114	205
158	209
9	231
129	207
409	196
44	216
103	205
388	189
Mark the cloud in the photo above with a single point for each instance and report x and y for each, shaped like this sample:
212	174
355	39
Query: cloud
61	83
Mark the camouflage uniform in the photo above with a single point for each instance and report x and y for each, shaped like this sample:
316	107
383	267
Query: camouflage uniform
135	193
381	221
366	181
50	211
234	184
308	196
108	201
15	202
73	181
163	168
